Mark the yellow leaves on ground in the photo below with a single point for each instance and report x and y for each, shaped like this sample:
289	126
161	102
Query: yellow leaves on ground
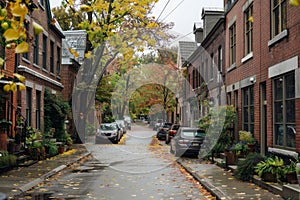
72	151
295	2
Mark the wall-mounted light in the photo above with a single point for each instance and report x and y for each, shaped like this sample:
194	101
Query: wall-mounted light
252	79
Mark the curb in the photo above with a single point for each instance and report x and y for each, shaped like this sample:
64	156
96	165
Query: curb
215	191
37	181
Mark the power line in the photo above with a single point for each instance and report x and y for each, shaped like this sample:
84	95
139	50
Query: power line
172	10
182	37
163	10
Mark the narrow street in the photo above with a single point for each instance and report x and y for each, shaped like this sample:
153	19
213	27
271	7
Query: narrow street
137	168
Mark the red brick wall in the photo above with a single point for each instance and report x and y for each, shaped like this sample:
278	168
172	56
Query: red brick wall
263	57
40	16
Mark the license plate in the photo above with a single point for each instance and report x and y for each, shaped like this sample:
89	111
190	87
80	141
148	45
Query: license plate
195	144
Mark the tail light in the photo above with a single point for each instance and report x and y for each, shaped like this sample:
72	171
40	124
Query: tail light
183	142
172	132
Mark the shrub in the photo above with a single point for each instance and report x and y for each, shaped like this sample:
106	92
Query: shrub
246	168
271	165
53	150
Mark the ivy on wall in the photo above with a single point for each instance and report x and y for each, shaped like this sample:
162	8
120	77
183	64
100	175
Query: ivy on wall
55	113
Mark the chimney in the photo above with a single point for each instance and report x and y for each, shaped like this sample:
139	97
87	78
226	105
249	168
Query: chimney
198	32
210	17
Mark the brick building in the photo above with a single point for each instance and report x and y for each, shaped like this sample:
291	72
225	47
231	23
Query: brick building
41	66
262	71
205	67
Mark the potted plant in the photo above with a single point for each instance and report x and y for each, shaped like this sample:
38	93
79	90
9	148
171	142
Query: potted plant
270	170
247	138
4	124
230	155
61	148
298	172
246	168
290	172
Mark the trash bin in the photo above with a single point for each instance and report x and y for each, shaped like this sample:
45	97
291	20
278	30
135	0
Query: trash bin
3	196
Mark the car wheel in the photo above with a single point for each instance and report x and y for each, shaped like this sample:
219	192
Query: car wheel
177	153
116	139
171	149
167	139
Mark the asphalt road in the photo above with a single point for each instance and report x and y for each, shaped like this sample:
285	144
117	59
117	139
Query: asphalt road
138	168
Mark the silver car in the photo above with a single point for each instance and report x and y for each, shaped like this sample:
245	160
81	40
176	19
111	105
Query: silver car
108	131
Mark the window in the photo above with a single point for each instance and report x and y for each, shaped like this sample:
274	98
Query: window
220	59
51	56
25	55
229	98
28	105
248	109
58	61
232	52
202	71
206	70
211	70
284	111
44	52
248	29
278	16
36	50
38	111
194	78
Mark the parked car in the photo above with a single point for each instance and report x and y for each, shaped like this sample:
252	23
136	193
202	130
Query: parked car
159	123
187	141
108	131
122	125
127	120
162	131
171	132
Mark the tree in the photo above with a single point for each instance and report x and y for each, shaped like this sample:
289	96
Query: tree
163	92
66	18
115	29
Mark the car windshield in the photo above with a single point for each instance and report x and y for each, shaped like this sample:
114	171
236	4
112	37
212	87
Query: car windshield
193	133
108	127
167	125
175	127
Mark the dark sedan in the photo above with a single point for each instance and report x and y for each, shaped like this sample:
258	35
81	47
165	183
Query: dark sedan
187	141
162	131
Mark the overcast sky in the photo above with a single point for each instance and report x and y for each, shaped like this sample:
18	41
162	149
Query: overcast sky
182	12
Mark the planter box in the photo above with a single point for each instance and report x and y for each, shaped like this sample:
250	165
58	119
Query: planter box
292	178
269	177
231	158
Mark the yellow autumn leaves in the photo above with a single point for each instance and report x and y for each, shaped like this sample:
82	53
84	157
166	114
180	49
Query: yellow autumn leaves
295	2
12	19
13	86
14	26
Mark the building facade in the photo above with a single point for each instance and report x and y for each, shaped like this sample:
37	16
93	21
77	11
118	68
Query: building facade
205	67
41	65
262	71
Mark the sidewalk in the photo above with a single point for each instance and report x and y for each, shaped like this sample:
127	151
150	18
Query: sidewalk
222	184
21	179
